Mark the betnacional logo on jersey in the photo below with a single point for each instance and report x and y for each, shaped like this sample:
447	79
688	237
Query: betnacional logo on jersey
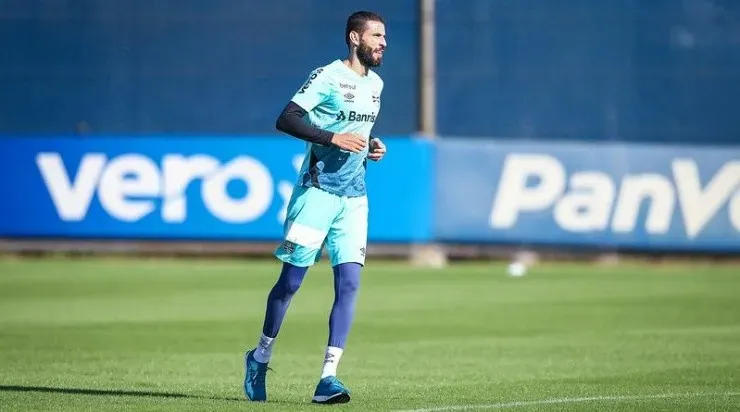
353	116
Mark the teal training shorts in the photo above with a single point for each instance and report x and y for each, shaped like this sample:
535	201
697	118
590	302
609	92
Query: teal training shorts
316	219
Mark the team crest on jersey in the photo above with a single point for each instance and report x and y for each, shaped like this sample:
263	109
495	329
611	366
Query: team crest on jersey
376	98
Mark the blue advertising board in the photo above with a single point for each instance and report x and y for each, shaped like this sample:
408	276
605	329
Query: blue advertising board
613	195
167	187
652	197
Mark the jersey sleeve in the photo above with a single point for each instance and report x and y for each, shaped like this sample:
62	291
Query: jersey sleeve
314	91
379	84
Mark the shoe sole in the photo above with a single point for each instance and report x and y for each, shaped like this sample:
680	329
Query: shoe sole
331	400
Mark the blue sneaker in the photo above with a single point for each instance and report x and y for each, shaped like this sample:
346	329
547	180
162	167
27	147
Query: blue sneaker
330	391
254	378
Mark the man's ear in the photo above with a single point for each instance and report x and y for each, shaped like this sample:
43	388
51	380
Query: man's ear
354	38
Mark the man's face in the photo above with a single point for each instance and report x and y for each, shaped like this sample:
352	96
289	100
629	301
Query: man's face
372	44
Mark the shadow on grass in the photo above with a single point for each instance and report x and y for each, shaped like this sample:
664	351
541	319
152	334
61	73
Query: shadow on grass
111	392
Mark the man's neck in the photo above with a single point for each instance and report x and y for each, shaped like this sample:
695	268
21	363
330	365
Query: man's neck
354	63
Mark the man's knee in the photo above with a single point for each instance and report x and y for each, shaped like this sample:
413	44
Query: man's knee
290	279
292	284
348	278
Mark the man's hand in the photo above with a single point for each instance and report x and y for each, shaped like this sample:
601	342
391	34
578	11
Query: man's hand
349	141
377	150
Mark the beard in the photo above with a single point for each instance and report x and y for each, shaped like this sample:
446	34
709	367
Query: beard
365	55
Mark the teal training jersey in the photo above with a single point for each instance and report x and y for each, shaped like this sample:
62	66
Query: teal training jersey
338	100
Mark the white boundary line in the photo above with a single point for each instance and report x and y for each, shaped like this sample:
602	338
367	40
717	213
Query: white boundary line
515	404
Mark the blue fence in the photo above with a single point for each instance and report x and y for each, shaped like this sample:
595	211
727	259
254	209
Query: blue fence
604	70
663	71
189	188
184	66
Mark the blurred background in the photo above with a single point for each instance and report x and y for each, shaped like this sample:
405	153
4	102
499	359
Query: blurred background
482	99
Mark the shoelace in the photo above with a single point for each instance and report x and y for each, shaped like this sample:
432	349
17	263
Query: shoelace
337	383
261	375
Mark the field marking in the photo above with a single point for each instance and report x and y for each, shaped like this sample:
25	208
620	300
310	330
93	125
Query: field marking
506	405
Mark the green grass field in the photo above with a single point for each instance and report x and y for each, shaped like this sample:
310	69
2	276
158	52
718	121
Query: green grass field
102	334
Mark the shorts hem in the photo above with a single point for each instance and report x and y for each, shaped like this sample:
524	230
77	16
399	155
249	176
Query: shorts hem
338	262
300	264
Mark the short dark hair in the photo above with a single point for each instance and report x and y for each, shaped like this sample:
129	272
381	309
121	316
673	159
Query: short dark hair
356	22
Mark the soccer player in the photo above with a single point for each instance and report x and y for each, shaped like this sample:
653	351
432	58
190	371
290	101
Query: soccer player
329	204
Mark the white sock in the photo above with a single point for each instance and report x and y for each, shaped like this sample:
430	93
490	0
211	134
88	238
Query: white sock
331	361
263	353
